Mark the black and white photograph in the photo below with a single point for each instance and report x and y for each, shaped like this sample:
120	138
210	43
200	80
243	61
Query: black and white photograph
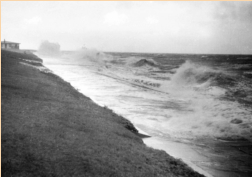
126	88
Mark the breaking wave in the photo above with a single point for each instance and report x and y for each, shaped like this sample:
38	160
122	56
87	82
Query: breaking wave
94	56
144	62
194	74
188	102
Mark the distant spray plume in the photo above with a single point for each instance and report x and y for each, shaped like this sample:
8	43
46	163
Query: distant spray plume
91	55
47	48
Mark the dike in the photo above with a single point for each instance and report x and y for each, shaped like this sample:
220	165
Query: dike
50	129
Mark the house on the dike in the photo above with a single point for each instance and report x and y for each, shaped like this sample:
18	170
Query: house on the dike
9	45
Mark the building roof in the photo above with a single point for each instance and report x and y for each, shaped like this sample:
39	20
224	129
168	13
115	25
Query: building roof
9	42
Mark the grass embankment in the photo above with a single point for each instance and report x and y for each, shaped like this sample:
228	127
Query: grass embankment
50	129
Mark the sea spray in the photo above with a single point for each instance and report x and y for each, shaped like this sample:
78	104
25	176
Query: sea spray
47	48
91	55
197	113
188	105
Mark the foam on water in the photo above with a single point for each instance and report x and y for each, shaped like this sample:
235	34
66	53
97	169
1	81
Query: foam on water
186	105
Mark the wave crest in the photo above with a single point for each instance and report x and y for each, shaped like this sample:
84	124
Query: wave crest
145	62
191	74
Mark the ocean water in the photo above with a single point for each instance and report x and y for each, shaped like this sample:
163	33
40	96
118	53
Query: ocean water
203	102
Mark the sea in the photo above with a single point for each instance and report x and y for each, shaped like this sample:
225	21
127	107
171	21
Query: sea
196	107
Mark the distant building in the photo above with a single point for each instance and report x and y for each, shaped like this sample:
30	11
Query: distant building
9	45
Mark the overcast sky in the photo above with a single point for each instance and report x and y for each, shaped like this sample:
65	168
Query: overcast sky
129	26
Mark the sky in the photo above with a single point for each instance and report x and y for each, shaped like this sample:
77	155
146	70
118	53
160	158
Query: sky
214	27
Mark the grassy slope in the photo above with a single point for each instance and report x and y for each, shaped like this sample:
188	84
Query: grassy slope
49	129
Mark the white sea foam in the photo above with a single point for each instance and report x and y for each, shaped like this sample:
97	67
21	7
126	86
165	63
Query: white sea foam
188	105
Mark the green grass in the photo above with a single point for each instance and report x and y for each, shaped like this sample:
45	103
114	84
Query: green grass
50	129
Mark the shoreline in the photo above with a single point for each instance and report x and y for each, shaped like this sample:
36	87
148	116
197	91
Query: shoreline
210	166
146	137
180	151
50	129
147	140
